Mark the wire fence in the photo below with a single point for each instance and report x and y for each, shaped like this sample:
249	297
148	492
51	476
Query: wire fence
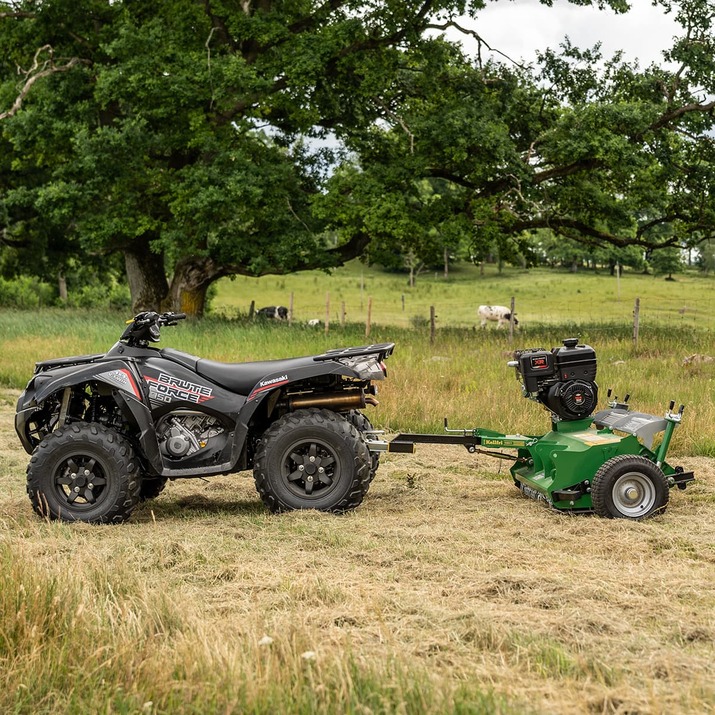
631	314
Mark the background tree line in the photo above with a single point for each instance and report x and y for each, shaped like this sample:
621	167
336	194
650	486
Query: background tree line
182	141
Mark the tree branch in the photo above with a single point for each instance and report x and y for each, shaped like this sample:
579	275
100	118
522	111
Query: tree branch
670	116
480	40
16	13
588	235
13	242
37	71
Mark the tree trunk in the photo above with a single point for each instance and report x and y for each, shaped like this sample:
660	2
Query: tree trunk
446	264
145	273
191	281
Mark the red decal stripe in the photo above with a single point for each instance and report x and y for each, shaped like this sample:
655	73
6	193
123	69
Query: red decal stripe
266	387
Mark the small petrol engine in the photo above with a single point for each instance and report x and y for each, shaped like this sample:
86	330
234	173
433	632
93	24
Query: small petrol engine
562	379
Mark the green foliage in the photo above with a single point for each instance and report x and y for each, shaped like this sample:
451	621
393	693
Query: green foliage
25	292
183	135
597	150
706	256
667	261
110	296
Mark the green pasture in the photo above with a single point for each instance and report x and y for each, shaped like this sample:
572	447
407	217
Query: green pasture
462	375
445	592
541	295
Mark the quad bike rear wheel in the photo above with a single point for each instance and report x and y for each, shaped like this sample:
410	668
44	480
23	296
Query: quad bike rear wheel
629	487
312	459
362	424
84	472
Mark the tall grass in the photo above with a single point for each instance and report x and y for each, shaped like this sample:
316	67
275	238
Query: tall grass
445	592
462	375
98	638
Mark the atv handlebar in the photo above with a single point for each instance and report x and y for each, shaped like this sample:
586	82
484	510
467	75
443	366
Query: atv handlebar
145	327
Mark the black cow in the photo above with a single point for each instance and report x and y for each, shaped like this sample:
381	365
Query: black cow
274	312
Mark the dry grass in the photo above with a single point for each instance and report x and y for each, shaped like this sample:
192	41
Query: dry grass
446	591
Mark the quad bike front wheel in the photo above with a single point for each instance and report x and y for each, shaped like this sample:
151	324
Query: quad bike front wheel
84	472
629	487
312	459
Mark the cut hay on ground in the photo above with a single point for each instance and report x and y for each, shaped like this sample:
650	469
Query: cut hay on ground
446	578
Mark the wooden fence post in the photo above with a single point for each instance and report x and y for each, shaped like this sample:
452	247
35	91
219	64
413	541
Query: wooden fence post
252	310
431	324
511	321
327	312
368	322
342	314
636	322
290	310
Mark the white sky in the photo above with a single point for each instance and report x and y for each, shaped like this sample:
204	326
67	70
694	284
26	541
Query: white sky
520	27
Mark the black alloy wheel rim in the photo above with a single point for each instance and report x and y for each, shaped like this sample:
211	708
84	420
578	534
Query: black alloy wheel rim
80	482
310	469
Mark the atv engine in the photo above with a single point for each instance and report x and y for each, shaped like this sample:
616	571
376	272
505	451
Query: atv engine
563	379
183	432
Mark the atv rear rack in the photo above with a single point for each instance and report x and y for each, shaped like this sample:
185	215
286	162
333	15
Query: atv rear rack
382	350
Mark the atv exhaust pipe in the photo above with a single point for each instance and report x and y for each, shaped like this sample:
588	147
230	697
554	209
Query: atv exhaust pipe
339	401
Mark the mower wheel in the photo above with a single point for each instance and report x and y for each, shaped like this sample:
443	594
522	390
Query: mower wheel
312	459
629	487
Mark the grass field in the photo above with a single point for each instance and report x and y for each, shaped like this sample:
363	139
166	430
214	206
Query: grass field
462	375
541	296
445	592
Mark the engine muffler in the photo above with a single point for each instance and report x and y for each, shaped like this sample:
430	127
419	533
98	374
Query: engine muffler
339	401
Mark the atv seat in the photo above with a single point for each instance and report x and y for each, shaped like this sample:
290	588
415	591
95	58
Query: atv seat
241	377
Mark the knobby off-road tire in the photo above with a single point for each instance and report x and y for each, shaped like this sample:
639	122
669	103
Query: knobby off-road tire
629	487
312	459
362	424
84	472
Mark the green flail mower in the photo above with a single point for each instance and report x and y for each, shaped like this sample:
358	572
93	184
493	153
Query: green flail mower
604	462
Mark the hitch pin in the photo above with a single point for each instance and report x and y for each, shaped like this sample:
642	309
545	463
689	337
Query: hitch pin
463	432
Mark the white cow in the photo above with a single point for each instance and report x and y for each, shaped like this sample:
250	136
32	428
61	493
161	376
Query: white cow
498	313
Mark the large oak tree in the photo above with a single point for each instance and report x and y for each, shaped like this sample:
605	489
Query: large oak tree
182	133
597	150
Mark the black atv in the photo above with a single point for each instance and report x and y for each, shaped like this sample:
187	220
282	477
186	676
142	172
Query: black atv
107	431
